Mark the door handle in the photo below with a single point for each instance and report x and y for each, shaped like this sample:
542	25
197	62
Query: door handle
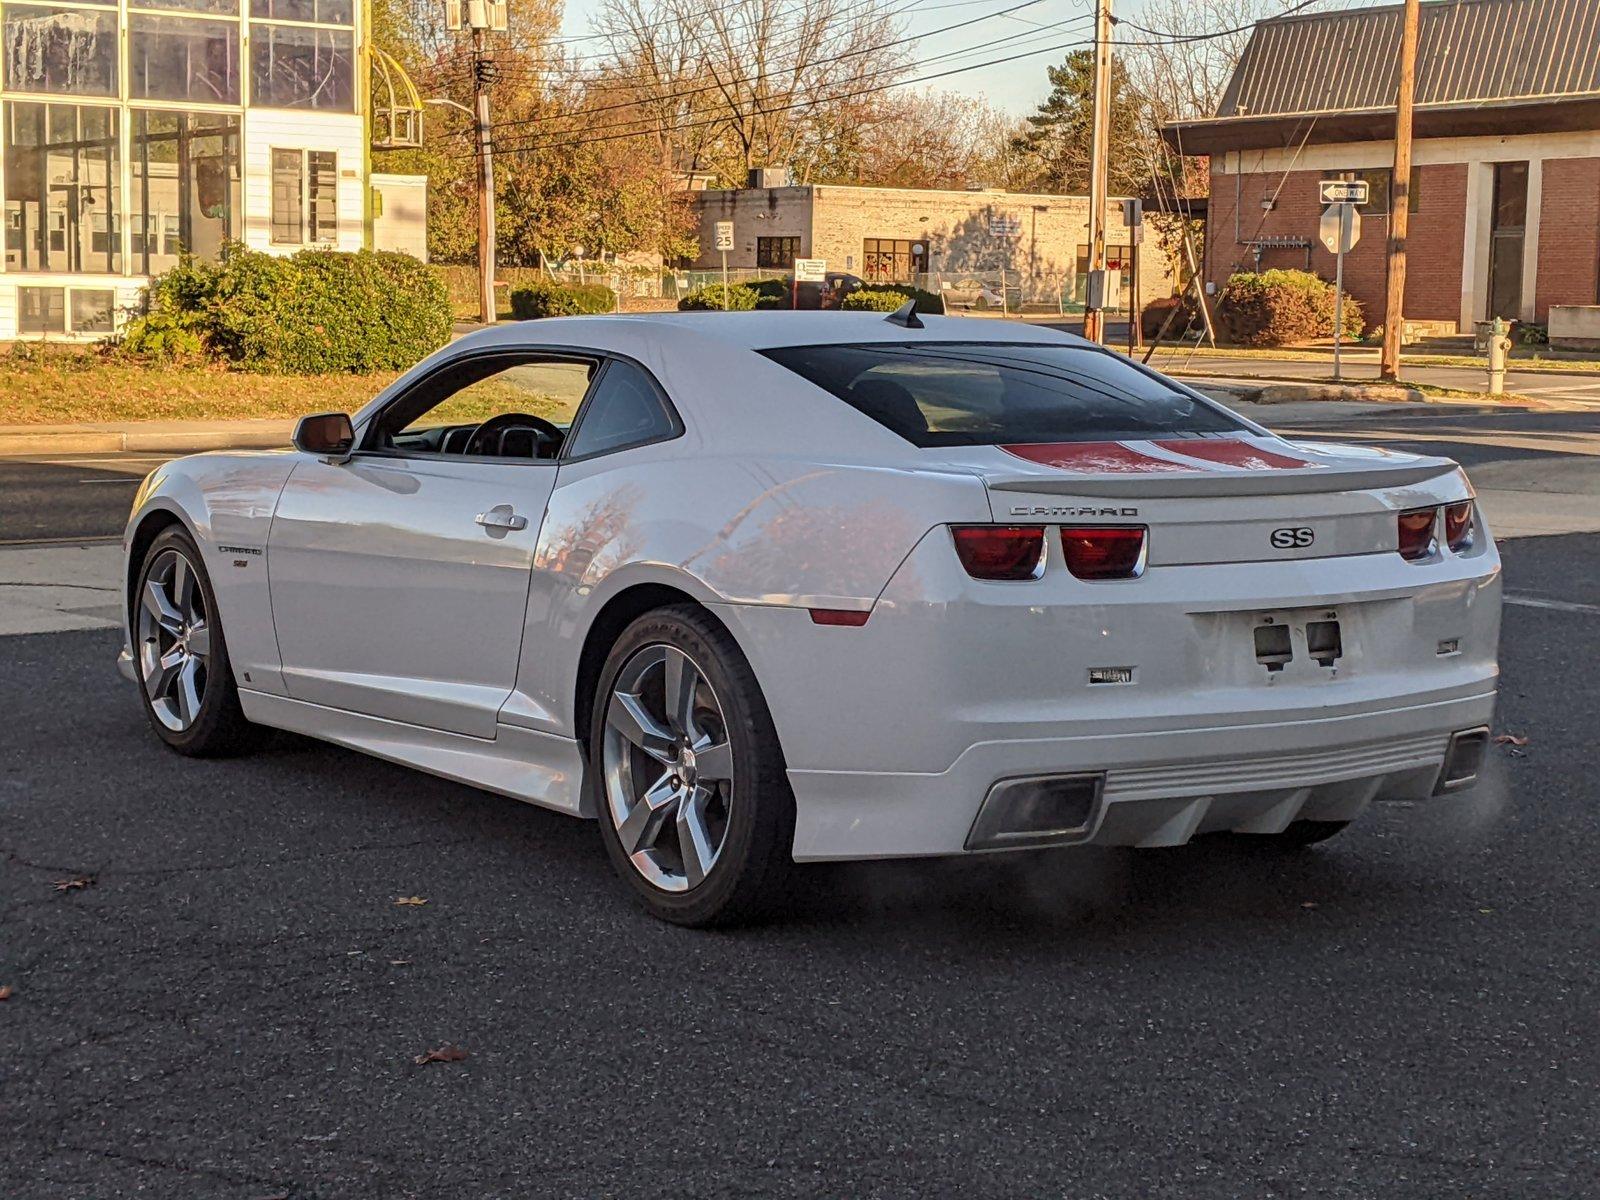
501	517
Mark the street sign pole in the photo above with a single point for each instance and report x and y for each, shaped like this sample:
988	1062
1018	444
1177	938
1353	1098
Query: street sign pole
724	244
1338	296
1339	231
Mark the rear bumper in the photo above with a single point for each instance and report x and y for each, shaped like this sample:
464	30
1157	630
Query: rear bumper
1161	787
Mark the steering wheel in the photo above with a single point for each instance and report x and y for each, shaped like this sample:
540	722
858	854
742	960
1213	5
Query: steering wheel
498	426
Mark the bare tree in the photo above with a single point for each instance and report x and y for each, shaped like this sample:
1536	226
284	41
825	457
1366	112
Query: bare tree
744	83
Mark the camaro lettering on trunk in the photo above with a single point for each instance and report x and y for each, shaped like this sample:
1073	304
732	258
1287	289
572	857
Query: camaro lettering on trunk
1061	510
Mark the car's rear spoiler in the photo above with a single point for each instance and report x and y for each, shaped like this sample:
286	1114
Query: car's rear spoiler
1229	483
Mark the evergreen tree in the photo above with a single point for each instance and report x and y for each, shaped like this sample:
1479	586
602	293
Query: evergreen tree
1055	147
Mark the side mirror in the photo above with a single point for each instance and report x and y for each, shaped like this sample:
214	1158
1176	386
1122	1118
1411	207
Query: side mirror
327	434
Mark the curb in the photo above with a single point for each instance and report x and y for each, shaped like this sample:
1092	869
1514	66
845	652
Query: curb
1271	391
16	442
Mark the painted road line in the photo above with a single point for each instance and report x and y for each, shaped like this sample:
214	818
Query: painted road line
1571	606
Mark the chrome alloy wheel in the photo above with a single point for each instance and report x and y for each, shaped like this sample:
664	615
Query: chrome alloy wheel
668	768
174	641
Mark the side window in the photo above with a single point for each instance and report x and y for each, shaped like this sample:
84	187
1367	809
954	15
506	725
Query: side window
496	406
625	410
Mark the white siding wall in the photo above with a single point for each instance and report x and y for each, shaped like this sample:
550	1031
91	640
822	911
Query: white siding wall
403	223
266	130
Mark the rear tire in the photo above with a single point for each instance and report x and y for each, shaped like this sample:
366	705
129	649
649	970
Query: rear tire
686	774
180	656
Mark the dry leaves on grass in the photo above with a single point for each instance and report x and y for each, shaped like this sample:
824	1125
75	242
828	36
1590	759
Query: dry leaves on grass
76	884
403	901
445	1054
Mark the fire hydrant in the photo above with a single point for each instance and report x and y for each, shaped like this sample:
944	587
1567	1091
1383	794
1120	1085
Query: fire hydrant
1499	347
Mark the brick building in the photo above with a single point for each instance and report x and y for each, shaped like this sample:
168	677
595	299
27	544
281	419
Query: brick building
930	237
1505	192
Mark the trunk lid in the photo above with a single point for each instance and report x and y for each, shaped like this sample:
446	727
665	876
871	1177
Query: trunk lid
1239	498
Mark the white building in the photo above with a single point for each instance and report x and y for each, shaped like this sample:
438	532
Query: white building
136	129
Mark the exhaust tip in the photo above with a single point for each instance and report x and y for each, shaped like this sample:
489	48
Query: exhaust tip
1463	760
1038	810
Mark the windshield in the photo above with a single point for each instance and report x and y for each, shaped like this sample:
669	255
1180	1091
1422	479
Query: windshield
986	393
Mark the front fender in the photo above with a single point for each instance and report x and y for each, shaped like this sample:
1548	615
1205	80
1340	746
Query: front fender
225	502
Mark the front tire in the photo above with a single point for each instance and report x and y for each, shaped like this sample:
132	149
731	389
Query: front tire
687	776
186	683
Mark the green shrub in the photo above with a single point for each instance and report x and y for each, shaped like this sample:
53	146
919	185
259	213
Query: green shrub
741	298
317	312
772	293
544	298
1281	308
164	336
1530	333
872	300
927	302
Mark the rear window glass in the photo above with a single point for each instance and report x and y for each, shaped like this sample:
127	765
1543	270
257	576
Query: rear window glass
984	394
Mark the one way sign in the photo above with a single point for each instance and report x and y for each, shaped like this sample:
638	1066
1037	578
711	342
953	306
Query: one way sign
1344	191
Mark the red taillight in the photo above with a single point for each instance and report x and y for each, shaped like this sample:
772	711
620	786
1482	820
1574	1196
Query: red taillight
1458	526
1416	533
1105	552
1000	551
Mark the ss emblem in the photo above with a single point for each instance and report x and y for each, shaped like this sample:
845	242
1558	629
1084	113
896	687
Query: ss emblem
1293	537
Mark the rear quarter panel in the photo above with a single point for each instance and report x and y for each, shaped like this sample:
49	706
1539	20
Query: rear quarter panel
766	532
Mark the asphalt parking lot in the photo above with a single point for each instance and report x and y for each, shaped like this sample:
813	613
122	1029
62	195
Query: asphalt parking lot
231	1003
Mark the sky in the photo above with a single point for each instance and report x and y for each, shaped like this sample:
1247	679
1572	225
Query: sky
1014	86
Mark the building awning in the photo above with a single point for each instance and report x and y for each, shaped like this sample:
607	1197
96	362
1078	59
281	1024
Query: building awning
1483	67
1219	134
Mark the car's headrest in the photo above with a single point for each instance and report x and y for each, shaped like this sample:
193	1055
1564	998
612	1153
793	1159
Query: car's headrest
889	403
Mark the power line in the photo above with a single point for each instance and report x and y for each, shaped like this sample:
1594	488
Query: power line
848	54
821	62
866	91
1170	37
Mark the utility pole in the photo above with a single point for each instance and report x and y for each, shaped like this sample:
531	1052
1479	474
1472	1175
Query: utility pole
483	75
1099	157
1400	193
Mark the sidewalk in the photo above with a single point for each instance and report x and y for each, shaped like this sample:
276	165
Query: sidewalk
149	437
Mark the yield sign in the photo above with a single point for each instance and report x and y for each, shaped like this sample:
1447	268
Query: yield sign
1340	228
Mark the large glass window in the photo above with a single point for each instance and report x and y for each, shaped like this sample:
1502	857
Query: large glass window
777	252
295	67
65	51
305	196
61	169
221	7
184	193
894	260
326	12
180	58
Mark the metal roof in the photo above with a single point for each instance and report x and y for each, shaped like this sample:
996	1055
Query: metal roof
1471	52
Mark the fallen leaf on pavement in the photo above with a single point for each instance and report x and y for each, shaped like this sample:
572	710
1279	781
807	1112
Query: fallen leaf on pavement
442	1054
399	962
1510	739
5	991
402	900
1308	904
76	884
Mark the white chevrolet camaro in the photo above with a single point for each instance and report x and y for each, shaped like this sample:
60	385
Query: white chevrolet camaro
758	588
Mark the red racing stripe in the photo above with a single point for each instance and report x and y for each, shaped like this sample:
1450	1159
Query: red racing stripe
1231	452
1108	458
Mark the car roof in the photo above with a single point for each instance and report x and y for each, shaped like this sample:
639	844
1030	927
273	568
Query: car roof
764	330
